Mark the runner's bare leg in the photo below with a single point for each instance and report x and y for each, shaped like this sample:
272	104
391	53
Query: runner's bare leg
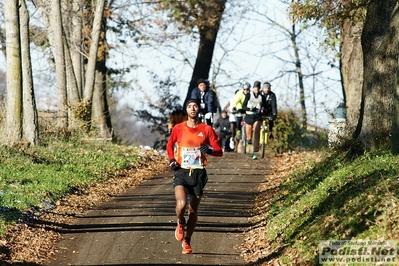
181	201
248	131
256	135
192	215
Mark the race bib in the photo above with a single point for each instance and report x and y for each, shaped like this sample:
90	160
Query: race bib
191	157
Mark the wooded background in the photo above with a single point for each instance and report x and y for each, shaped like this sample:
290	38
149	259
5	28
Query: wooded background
359	38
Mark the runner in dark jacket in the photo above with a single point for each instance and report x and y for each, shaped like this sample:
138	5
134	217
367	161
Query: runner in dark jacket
270	107
207	99
222	126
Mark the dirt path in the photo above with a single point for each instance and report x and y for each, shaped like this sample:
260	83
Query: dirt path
137	227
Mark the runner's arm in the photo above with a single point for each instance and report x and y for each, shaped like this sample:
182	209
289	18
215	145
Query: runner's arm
217	123
194	94
226	108
171	142
245	103
235	100
263	108
274	106
214	140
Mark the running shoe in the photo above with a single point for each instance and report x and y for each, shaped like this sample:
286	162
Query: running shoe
254	157
179	232
186	248
231	144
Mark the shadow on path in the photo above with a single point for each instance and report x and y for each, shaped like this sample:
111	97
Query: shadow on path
137	227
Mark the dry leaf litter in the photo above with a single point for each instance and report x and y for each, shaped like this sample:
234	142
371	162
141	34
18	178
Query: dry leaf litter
33	241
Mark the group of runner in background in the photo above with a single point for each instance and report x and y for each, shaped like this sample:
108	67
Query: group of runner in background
252	108
246	106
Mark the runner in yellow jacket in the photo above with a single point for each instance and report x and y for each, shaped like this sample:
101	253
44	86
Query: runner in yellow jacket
237	103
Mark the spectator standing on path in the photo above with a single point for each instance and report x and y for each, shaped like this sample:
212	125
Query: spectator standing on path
177	116
253	104
194	139
270	108
207	99
222	126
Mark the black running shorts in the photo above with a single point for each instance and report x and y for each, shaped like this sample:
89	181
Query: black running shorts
194	182
251	119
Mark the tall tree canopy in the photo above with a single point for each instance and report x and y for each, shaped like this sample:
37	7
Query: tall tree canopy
205	17
377	21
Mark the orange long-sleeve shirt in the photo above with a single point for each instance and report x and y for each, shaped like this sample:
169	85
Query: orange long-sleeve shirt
189	141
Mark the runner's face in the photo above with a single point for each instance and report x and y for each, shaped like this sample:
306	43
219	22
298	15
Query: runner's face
192	110
202	86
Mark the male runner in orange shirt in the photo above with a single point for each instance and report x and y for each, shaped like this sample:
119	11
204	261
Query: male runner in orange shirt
194	139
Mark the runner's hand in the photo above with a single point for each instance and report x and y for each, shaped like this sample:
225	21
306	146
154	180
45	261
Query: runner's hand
173	165
206	149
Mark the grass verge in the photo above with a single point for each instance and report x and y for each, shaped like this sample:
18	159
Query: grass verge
332	200
35	177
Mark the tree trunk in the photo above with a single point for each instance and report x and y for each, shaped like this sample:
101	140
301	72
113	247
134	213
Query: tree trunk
72	88
208	34
352	71
68	42
59	57
395	115
298	70
76	44
72	93
30	117
100	117
380	47
395	120
14	75
91	65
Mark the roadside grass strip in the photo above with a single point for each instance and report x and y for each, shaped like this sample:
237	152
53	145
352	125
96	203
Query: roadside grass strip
35	177
335	200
